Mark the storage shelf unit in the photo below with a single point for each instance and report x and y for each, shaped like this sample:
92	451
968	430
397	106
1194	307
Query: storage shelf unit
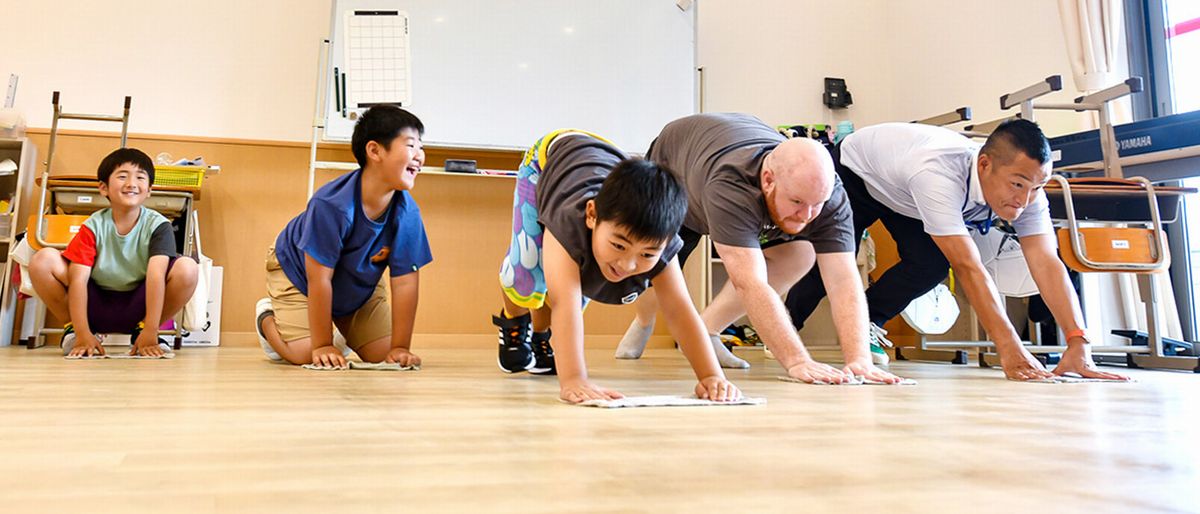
17	189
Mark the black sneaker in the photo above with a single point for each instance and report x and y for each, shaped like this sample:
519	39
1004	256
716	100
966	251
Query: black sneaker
543	354
163	344
515	353
68	339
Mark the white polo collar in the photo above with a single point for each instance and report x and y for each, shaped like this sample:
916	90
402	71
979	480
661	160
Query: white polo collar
974	188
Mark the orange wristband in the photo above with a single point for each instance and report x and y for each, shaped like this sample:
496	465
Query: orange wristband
1076	333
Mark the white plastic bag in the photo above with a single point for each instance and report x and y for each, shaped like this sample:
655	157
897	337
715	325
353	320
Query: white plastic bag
195	312
22	254
932	313
1003	259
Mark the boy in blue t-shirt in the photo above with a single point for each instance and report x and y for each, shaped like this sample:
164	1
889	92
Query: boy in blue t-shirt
325	268
120	272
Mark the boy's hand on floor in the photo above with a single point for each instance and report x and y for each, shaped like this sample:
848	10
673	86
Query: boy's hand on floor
577	391
146	345
403	357
86	345
870	372
812	371
328	356
717	389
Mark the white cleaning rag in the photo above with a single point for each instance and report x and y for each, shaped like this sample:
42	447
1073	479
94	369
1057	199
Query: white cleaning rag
854	381
664	401
368	366
1072	378
169	355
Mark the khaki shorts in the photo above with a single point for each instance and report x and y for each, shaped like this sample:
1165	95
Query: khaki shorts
370	322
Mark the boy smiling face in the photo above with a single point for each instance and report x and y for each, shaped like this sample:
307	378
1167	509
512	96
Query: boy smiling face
400	160
619	254
127	187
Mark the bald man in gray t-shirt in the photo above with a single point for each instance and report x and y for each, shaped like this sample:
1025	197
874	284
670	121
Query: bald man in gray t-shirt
771	206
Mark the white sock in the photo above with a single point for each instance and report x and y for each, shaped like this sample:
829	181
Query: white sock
726	357
634	342
339	342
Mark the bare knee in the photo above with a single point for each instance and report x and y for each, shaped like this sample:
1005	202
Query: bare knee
375	351
788	263
184	274
48	263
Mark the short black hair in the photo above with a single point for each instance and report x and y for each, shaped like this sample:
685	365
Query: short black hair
121	156
381	124
1021	135
645	198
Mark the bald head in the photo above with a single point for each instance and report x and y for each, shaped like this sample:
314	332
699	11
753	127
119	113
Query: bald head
805	164
797	179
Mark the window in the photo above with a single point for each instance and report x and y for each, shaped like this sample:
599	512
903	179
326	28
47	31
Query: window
1183	47
1182	42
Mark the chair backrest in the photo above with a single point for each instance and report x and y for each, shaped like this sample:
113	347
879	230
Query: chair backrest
1101	245
58	231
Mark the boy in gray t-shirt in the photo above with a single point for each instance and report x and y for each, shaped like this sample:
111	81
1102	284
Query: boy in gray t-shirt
589	223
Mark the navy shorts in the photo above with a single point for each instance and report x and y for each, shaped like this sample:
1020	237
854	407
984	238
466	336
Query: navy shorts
117	312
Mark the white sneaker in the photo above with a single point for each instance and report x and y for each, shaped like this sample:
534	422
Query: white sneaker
875	334
262	309
68	342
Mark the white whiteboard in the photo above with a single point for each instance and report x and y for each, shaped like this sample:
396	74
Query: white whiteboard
503	73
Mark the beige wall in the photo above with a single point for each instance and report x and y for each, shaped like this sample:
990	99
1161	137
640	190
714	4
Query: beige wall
219	68
768	58
246	69
901	60
951	53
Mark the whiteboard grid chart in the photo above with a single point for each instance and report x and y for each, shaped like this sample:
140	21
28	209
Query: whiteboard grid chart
377	54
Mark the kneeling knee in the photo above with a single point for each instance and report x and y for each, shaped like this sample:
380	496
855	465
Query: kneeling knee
45	262
186	271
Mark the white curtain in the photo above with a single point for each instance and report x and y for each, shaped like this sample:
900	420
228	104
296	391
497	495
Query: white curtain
1095	34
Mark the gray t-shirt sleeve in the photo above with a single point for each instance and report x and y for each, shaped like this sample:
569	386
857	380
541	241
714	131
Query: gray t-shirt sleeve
733	211
162	240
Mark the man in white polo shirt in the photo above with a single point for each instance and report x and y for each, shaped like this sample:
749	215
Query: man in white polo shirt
929	185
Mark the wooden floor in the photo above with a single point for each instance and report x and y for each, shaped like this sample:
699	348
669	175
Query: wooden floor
226	431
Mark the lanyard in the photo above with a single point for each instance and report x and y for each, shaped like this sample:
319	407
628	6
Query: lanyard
984	225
